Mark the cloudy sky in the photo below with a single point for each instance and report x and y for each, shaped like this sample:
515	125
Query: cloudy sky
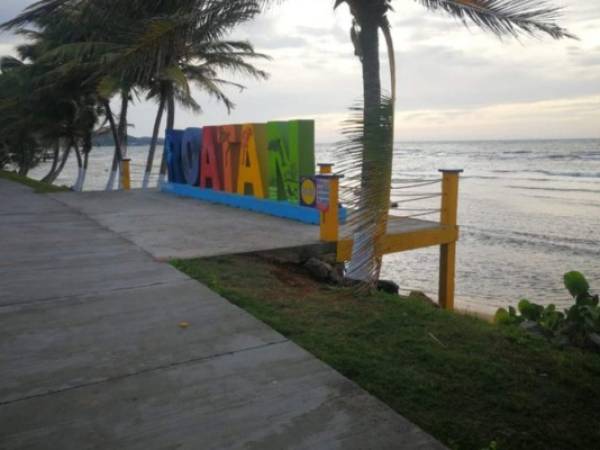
454	83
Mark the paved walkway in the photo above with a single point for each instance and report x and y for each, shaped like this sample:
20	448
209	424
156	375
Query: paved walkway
170	227
92	357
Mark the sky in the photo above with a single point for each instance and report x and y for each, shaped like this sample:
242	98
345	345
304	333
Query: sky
454	83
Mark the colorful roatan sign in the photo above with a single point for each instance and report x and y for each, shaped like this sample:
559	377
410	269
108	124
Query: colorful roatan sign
264	160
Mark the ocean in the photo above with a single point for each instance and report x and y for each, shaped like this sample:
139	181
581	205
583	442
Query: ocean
529	212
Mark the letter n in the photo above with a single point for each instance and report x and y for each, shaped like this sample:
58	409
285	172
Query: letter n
283	170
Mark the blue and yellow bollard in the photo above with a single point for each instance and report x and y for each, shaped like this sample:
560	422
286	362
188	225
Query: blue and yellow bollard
328	188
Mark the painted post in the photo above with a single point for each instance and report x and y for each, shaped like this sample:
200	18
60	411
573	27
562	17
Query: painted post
126	174
448	217
328	186
325	168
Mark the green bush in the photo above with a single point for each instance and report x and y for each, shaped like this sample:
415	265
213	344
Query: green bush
579	324
576	284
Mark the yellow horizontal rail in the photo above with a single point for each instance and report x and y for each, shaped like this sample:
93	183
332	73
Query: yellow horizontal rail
401	242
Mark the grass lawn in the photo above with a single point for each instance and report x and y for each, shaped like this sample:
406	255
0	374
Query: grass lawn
37	186
465	381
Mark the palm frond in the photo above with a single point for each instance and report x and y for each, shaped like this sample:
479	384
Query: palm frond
506	17
364	156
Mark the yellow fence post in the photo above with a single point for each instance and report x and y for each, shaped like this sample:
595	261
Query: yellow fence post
126	174
330	224
448	251
325	168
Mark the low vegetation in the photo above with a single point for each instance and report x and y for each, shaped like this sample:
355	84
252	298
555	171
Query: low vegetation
38	186
469	383
578	325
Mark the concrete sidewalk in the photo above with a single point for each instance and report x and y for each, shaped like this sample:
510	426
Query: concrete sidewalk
171	227
92	357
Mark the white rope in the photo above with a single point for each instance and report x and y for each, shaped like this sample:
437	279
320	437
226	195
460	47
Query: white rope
426	183
417	198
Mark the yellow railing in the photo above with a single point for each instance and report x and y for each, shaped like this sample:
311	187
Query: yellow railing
406	233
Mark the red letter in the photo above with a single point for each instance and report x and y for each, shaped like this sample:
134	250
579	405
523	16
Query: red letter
210	173
229	139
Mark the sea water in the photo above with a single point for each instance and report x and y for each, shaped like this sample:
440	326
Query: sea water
529	212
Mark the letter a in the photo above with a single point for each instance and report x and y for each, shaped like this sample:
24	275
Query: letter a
210	173
253	161
229	139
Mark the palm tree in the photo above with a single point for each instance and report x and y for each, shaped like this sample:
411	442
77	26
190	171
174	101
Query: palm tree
151	45
67	76
172	51
372	153
30	120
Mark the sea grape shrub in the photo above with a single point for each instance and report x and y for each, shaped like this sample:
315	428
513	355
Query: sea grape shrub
579	324
576	284
530	311
508	317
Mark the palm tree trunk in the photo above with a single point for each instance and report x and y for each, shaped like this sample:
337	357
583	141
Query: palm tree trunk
170	125
117	156
376	162
23	162
123	126
369	41
63	162
389	43
157	122
77	185
55	160
87	148
123	121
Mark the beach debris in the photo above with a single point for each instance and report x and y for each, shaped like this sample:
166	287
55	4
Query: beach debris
322	271
388	286
432	336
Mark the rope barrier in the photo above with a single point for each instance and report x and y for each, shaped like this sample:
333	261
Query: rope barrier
424	214
426	183
414	199
415	194
415	209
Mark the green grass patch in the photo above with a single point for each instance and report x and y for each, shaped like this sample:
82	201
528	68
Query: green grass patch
37	186
463	380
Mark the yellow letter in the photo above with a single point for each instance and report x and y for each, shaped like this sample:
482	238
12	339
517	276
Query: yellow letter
252	173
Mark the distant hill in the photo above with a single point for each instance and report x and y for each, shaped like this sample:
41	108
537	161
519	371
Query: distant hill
106	140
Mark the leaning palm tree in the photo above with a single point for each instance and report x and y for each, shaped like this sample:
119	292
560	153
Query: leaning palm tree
185	48
61	28
153	45
368	157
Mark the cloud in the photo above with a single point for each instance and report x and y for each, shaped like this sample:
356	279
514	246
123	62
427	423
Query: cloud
453	82
11	8
8	10
564	118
